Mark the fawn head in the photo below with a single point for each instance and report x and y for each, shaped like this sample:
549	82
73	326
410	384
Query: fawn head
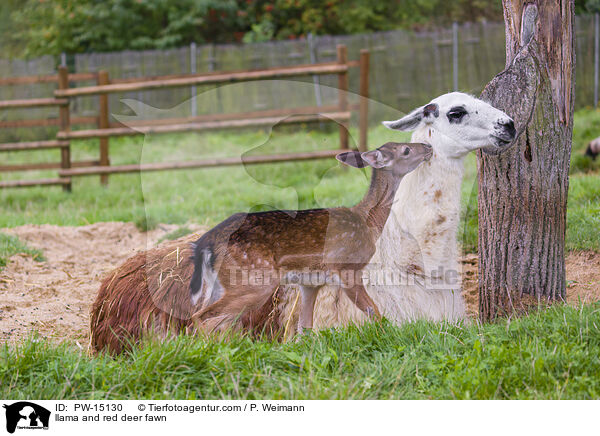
399	158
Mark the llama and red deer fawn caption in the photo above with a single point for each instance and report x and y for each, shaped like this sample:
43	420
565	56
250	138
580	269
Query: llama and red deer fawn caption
241	263
150	291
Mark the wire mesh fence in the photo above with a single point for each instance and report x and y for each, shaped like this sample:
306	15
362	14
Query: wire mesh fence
407	69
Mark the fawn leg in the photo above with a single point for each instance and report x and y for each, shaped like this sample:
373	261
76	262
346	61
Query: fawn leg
307	306
358	295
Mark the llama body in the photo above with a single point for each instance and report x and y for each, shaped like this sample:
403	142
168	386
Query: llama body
308	248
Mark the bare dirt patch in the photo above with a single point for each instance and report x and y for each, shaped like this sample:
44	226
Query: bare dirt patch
583	279
54	296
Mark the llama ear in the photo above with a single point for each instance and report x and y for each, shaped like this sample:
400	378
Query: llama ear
375	159
407	123
352	158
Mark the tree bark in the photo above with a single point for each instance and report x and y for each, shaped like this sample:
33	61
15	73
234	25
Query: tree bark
523	192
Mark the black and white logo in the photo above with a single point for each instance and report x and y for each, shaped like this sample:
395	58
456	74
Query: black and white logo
26	416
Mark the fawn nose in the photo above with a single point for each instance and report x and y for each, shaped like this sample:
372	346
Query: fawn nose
428	151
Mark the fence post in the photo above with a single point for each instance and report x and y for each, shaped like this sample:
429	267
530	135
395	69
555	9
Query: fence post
194	91
103	123
596	55
342	58
455	55
313	60
65	124
363	109
212	64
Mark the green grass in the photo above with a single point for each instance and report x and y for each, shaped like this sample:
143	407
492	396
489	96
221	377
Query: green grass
583	213
11	245
585	128
176	234
550	354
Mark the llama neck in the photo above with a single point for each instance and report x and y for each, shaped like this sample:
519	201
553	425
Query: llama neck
425	213
377	203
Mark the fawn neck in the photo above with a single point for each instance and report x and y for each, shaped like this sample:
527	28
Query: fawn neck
376	204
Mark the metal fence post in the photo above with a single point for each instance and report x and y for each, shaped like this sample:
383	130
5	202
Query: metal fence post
313	60
455	55
363	113
212	65
193	71
596	55
342	59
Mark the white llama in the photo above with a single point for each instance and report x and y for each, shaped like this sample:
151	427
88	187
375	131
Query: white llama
419	237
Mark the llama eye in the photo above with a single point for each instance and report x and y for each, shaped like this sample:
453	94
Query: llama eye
456	114
406	151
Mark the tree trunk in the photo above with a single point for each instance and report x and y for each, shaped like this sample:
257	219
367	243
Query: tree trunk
523	192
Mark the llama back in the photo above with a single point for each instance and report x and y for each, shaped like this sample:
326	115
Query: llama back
147	293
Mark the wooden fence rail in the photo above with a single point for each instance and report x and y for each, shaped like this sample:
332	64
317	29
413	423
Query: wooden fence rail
207	79
339	113
62	79
33	102
51	78
216	162
340	117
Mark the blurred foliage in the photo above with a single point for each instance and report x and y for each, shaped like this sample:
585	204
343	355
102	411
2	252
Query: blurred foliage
75	26
587	6
36	27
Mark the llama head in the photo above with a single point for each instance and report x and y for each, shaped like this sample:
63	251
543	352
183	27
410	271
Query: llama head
456	124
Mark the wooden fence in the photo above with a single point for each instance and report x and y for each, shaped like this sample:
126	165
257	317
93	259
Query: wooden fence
64	96
62	80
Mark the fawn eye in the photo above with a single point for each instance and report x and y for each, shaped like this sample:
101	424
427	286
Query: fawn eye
406	151
456	114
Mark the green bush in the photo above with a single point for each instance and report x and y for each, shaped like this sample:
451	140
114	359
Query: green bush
37	27
55	26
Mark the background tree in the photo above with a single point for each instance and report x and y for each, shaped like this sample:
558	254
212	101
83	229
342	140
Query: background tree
523	192
75	26
38	27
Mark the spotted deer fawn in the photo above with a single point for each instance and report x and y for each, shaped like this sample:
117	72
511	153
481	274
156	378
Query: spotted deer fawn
240	263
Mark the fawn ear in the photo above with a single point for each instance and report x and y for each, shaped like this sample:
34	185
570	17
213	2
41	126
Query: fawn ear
375	159
352	158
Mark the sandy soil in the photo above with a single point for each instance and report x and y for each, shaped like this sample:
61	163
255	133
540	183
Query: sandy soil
583	279
54	296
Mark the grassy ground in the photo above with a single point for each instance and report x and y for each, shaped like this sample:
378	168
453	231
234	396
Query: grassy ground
208	196
551	354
